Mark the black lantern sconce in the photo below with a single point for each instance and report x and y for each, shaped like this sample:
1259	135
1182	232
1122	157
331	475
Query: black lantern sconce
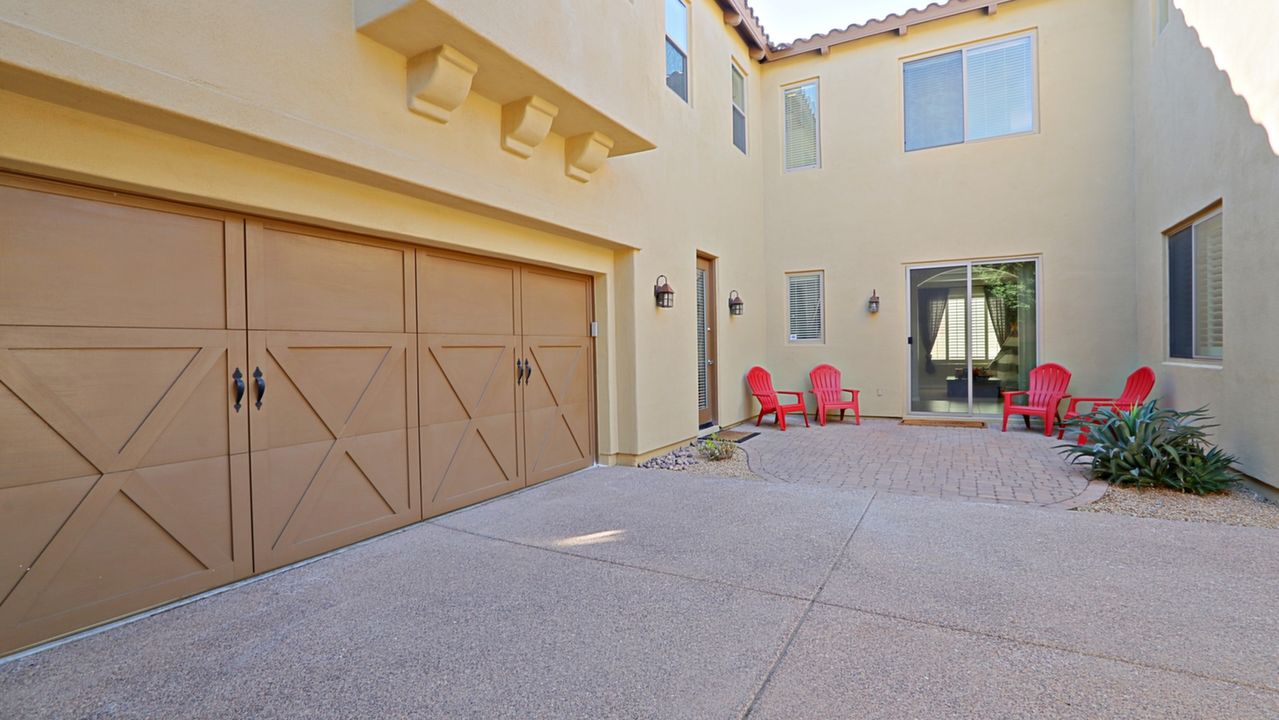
664	293
735	304
872	305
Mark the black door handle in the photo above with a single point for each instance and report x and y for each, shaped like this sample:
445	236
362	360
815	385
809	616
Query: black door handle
519	371
261	383
238	378
528	370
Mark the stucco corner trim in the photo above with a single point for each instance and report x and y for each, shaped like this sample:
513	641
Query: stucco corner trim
526	123
585	153
439	81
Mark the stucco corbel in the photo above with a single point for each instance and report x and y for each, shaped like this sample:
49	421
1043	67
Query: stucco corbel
439	81
525	124
584	154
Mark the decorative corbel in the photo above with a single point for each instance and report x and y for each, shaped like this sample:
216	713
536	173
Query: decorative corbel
525	124
584	154
439	81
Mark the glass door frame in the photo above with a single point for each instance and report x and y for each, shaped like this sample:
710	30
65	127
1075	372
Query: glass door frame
968	331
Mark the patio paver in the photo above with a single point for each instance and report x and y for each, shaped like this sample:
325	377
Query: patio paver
901	607
1017	467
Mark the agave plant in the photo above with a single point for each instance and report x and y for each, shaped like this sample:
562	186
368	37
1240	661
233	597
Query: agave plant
715	448
1150	446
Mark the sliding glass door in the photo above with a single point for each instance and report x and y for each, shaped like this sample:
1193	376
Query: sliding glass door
973	334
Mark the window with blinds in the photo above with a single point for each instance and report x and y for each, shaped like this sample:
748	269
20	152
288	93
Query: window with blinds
677	47
952	338
973	93
1195	290
739	108
804	307
799	103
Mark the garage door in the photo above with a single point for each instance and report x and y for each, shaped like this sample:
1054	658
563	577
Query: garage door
189	396
123	476
506	363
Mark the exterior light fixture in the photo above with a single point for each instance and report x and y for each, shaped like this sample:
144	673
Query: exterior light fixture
664	293
872	305
735	304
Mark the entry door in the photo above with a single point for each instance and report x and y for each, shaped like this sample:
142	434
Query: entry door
331	390
706	346
559	425
123	476
471	399
973	334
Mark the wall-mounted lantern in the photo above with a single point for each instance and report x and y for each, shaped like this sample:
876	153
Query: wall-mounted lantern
664	293
872	305
735	304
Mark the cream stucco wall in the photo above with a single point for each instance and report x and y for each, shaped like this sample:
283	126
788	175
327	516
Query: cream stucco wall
1206	99
1062	194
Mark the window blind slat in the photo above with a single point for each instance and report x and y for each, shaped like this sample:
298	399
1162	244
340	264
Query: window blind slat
805	307
800	104
1209	335
934	96
1000	89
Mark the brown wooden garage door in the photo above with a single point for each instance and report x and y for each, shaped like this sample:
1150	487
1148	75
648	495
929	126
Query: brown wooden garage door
506	361
379	386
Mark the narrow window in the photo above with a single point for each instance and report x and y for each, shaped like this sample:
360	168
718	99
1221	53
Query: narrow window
802	126
973	93
677	47
804	307
739	109
1195	327
1161	14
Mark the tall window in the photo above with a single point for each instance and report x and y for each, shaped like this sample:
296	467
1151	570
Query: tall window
806	317
739	108
1195	328
1161	14
677	47
803	132
973	93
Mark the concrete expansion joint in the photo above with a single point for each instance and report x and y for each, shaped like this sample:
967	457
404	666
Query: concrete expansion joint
803	616
1050	646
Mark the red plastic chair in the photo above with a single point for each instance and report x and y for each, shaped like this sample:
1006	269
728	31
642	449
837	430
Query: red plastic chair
762	388
1138	387
1048	384
830	396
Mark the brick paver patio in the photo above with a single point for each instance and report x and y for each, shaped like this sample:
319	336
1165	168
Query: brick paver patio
1018	467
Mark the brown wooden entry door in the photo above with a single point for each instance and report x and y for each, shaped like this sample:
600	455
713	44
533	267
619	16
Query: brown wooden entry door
706	345
558	413
124	481
333	460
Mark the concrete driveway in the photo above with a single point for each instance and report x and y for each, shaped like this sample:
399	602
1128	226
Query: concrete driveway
629	593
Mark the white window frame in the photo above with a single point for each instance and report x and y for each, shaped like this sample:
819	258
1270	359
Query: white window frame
735	69
1203	216
688	53
821	304
816	83
963	80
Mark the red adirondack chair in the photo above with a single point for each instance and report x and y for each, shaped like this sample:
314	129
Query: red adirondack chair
1136	390
1048	384
762	388
830	396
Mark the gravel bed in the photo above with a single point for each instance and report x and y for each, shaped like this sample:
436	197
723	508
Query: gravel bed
1240	506
686	459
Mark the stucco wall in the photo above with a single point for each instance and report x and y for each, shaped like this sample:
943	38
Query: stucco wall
283	109
1063	194
1206	99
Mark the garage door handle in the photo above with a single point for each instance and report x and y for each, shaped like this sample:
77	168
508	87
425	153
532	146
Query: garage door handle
238	378
528	370
519	371
261	384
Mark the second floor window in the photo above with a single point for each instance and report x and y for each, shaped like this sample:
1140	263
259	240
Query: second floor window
803	133
973	93
677	47
739	109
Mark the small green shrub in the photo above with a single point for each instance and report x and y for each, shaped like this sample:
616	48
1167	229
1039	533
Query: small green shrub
1153	447
714	448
